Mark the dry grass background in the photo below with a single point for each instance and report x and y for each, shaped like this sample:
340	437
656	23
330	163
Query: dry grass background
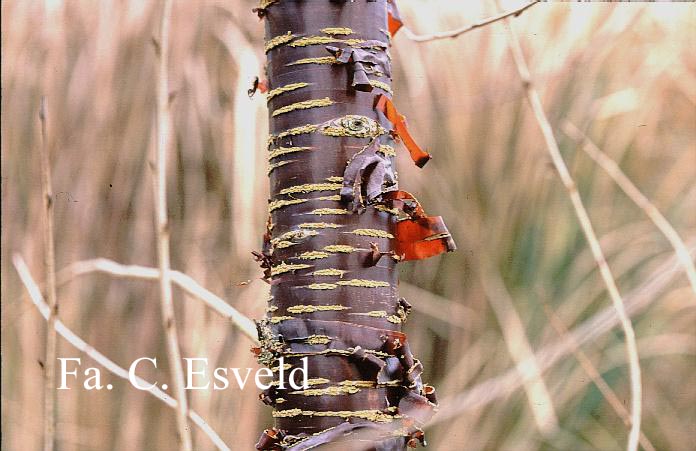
624	74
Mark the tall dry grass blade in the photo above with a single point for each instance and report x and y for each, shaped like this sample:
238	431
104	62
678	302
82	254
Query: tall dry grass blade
45	310
185	282
521	352
465	29
594	374
439	307
602	322
588	231
162	232
50	274
629	188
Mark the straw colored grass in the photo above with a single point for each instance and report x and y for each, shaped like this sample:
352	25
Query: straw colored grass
590	235
619	71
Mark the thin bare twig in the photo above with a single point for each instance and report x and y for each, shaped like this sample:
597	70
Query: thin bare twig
521	352
594	374
50	274
465	29
160	169
614	171
185	282
79	343
588	230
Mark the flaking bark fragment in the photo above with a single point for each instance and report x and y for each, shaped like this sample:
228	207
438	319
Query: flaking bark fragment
367	175
384	105
364	61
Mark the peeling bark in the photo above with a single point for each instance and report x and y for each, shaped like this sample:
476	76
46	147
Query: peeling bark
338	226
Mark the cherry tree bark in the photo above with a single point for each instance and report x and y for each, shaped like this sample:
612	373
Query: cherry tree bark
338	226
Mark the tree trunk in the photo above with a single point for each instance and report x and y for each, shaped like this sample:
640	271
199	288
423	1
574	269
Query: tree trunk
337	228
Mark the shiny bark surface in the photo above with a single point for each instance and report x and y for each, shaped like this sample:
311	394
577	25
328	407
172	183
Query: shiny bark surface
338	226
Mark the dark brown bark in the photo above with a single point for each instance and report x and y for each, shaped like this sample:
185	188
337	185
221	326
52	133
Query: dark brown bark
338	226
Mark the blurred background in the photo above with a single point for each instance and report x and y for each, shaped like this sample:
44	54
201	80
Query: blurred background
624	74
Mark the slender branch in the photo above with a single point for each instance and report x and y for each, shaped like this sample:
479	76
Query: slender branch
50	274
79	343
614	171
521	352
594	374
465	29
588	230
185	282
160	169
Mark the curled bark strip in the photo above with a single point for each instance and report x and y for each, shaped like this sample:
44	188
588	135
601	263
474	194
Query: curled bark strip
429	392
422	238
393	17
265	257
384	105
371	59
417	407
270	440
257	85
405	306
419	236
267	242
368	172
